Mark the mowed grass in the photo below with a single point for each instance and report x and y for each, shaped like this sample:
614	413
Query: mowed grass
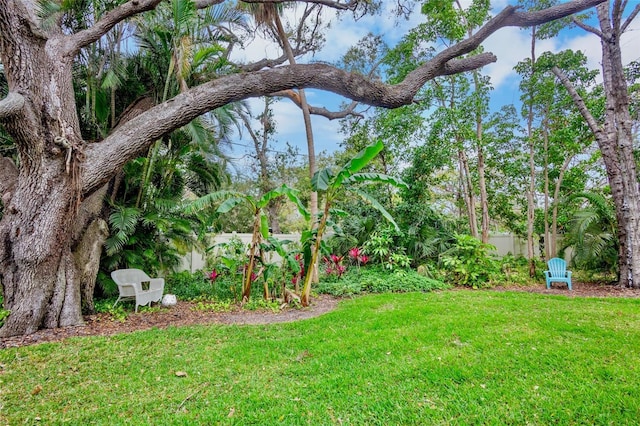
453	357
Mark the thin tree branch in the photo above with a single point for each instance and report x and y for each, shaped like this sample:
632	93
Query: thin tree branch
83	38
631	17
331	115
350	5
587	28
11	105
580	104
509	17
263	63
201	4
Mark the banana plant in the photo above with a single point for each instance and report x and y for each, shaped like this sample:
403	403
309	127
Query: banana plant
231	199
333	186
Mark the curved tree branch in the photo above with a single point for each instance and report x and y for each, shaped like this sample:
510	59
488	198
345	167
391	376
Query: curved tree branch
322	111
587	28
11	105
349	5
579	102
83	38
631	17
103	159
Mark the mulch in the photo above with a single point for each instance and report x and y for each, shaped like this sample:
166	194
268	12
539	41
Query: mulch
185	313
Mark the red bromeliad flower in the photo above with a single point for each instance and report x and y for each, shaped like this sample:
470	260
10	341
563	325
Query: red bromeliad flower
213	275
363	259
354	253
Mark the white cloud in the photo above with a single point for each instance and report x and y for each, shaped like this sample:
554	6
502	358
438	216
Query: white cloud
589	45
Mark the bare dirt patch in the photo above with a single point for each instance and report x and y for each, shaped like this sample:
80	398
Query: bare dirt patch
580	289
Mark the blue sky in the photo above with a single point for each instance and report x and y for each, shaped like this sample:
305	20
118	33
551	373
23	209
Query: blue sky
510	45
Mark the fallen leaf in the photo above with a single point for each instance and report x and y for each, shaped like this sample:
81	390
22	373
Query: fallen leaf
181	374
232	411
36	390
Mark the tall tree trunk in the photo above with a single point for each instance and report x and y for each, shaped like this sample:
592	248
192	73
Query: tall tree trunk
306	115
532	168
547	231
482	185
467	190
615	139
308	129
556	202
36	261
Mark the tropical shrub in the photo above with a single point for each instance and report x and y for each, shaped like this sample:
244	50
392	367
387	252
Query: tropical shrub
332	186
592	235
378	280
199	285
469	263
425	232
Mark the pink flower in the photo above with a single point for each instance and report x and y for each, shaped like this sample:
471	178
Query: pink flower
363	259
340	269
354	253
213	275
253	276
336	259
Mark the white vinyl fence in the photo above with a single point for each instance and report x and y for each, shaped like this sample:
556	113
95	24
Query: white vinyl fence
195	261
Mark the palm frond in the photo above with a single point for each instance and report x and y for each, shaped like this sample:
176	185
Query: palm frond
124	219
210	200
376	205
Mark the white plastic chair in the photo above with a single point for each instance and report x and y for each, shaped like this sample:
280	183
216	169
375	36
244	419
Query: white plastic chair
129	283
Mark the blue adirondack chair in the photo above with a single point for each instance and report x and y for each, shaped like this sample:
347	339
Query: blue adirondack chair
557	272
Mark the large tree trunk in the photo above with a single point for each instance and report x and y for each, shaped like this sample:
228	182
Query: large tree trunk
615	139
36	269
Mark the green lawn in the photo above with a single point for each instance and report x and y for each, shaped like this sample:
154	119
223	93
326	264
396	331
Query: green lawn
453	357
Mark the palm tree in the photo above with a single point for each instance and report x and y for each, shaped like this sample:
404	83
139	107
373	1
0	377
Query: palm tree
187	47
591	235
180	46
